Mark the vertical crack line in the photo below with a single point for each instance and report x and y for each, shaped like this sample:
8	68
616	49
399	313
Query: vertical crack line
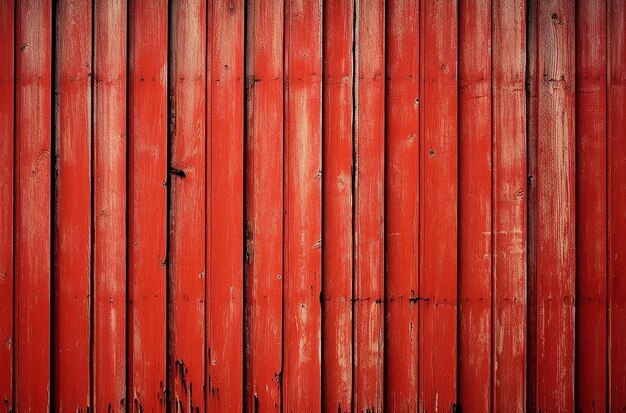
207	216
170	62
14	305
127	292
285	221
322	220
421	172
92	84
248	71
354	181
53	188
492	241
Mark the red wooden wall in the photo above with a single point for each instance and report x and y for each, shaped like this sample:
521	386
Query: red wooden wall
305	205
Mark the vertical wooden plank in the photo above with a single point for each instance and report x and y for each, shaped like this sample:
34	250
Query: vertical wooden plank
33	125
591	207
187	207
475	205
225	286
617	204
509	206
109	206
147	203
555	207
7	89
438	275
531	211
72	223
264	205
338	116
369	205
7	147
402	204
303	206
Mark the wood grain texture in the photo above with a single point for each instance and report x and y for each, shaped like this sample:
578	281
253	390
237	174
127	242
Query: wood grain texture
617	204
72	198
7	168
224	383
555	206
591	206
402	100
303	206
509	206
369	205
475	205
147	204
338	241
264	205
109	206
32	239
186	295
438	207
295	205
531	211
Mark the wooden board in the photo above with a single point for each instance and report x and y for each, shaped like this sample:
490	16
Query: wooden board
147	204
264	205
32	236
7	147
72	207
591	206
303	206
509	206
475	205
187	135
369	205
531	212
225	239
555	206
402	100
109	206
437	367
337	184
617	204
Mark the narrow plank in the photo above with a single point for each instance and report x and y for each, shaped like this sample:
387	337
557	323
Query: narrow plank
509	206
303	206
187	207
617	204
109	206
531	211
369	200
147	204
475	205
225	268
591	207
337	206
438	275
555	207
7	147
264	205
72	221
402	204
32	242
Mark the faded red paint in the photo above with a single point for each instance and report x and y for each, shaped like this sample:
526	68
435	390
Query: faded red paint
264	205
302	209
337	211
147	205
72	206
109	207
294	205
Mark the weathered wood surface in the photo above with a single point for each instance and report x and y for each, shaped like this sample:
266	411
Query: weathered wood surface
373	205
